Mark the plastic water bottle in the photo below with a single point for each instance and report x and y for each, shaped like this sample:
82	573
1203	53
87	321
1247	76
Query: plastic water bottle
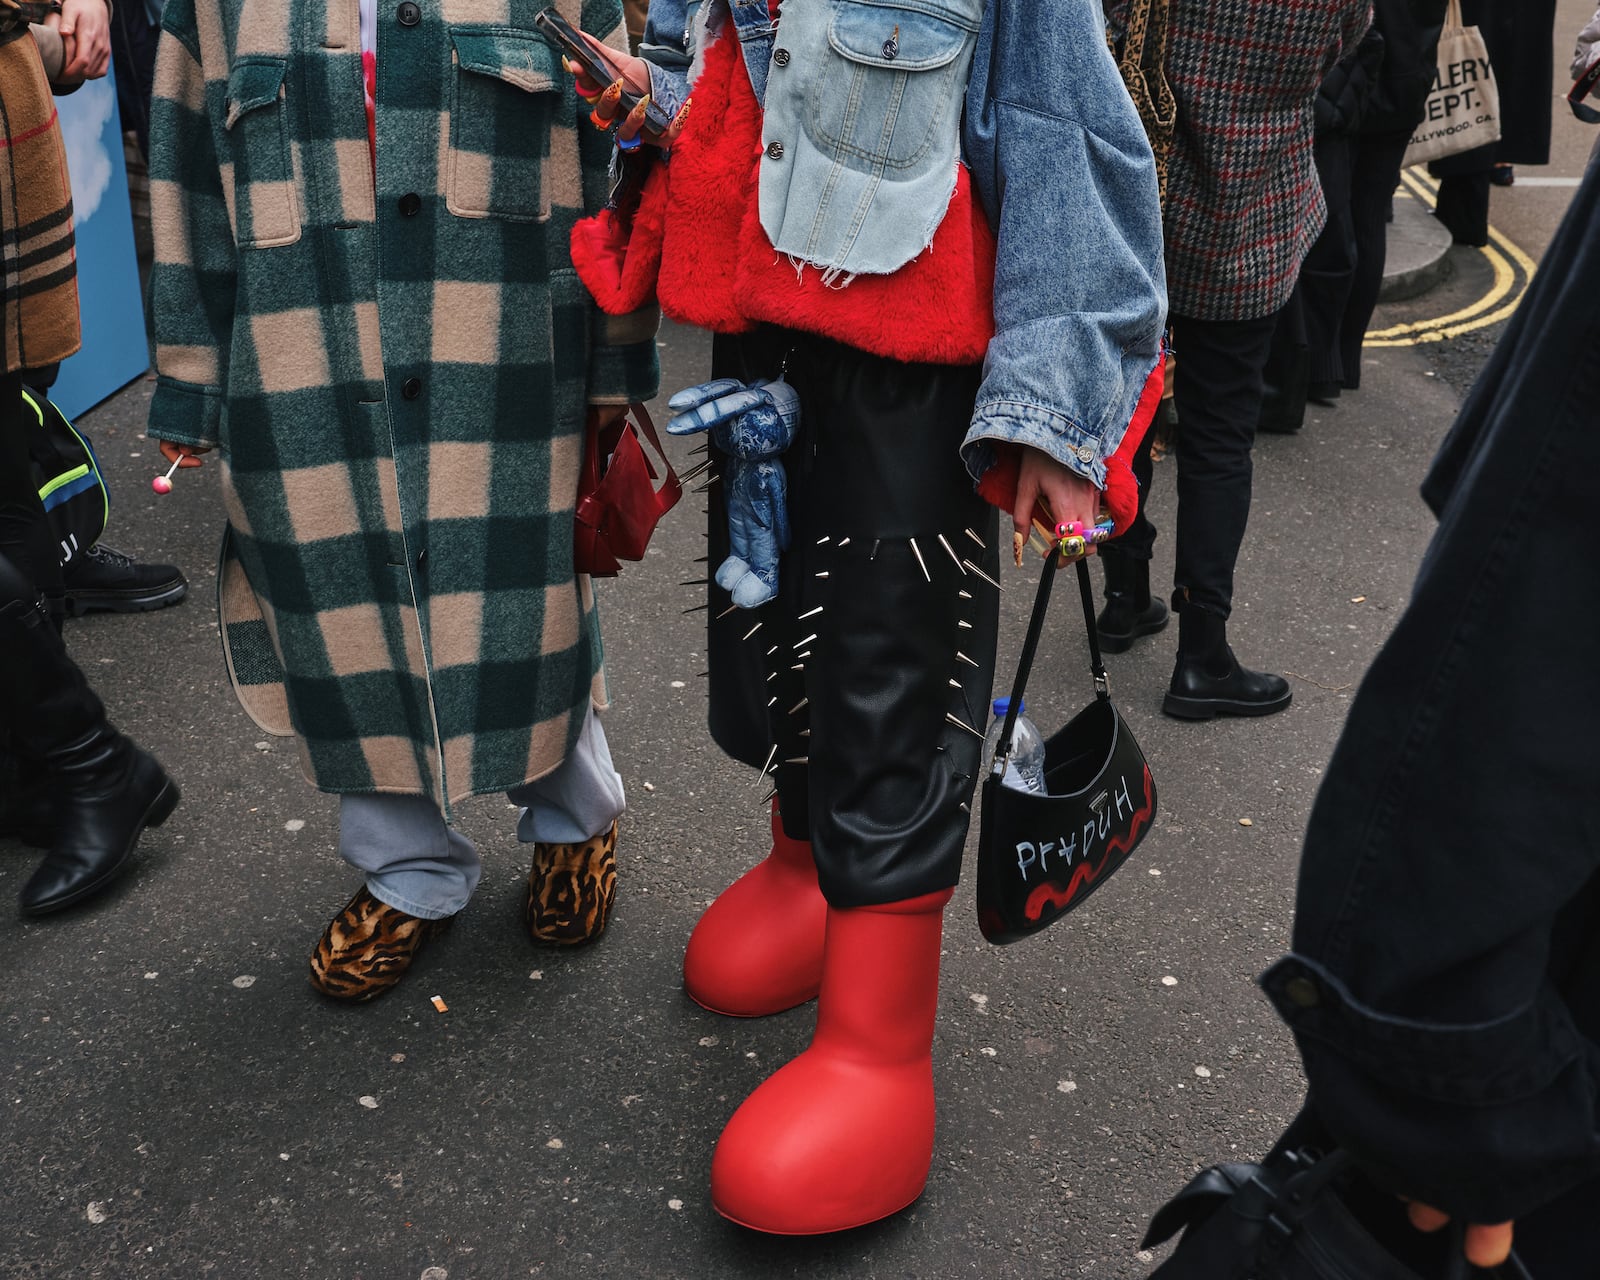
1025	765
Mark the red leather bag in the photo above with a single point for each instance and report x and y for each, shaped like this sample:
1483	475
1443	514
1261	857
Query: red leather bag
619	500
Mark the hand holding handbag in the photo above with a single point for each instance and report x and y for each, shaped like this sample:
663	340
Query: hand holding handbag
1284	1219
1042	854
619	502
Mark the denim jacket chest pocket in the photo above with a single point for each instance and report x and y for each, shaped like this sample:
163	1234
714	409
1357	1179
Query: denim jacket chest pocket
901	75
862	128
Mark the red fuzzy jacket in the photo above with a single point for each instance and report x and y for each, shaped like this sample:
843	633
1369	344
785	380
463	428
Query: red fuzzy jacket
698	244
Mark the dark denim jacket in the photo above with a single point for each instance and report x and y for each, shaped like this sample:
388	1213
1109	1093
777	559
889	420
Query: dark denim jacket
1444	988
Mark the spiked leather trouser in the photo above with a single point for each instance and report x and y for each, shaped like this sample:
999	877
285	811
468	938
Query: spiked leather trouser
852	687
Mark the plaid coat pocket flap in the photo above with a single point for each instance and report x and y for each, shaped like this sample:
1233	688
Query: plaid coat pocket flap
521	59
254	84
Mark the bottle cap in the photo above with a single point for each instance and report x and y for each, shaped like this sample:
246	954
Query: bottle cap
1003	705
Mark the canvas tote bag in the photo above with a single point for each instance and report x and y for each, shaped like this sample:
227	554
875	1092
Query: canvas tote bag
1463	108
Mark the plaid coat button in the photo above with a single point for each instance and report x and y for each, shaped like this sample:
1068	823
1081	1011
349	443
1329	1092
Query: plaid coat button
411	388
410	205
409	14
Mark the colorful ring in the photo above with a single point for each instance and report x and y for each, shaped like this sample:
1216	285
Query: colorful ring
632	144
603	125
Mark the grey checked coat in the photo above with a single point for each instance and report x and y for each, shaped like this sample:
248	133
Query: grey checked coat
395	380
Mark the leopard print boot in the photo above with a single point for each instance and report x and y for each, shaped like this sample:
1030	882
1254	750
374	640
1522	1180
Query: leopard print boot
571	889
367	948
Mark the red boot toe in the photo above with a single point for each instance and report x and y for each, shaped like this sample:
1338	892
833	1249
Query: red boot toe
758	948
843	1135
826	1144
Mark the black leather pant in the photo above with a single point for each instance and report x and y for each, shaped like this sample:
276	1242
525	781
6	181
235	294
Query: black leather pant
843	683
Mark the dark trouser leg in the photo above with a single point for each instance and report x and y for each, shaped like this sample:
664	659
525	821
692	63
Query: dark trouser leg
1286	374
1130	611
1463	207
1138	542
25	537
1374	175
863	749
1329	270
1219	401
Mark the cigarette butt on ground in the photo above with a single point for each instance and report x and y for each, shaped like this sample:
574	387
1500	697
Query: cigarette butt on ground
440	1005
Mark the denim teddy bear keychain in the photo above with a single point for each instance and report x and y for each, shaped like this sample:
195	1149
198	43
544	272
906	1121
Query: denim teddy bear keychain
752	424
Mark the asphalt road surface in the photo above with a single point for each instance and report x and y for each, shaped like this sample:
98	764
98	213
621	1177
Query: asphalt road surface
177	1102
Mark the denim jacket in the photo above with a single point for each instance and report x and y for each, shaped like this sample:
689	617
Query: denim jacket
868	107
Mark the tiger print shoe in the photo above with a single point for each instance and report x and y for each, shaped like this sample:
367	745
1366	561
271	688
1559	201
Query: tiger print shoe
367	948
571	889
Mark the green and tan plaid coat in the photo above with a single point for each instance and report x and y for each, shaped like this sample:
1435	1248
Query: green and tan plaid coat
395	380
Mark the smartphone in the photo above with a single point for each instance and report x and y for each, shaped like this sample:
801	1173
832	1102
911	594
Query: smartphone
567	39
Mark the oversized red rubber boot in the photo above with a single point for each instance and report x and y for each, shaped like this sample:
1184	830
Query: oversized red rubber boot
758	948
843	1135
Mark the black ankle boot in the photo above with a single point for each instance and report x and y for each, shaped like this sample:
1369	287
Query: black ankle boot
104	791
1129	612
1208	680
25	814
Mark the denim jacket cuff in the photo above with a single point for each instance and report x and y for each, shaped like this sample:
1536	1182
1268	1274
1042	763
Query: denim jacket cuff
668	88
1018	422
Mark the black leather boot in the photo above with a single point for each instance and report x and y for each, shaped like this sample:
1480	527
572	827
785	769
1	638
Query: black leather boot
1130	612
1208	680
104	790
25	814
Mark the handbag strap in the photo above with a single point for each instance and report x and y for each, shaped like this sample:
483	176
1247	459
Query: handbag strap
1132	51
671	488
1030	646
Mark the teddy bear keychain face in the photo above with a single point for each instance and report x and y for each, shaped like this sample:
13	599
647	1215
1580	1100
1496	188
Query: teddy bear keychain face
751	423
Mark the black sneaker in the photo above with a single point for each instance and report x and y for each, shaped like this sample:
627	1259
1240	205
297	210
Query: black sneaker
108	581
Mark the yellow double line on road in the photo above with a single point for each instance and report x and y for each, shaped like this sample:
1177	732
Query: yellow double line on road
1513	272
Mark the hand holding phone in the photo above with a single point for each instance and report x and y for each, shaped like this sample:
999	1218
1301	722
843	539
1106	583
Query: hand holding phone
598	68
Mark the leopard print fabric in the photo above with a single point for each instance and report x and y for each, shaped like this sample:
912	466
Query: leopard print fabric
367	948
571	889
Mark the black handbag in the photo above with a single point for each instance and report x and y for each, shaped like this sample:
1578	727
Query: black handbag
1042	854
1285	1220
